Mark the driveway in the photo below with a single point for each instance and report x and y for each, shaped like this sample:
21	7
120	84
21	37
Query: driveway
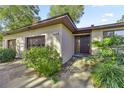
9	71
73	75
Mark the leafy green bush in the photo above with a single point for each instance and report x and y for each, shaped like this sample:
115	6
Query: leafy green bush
107	72
108	75
107	52
44	60
113	41
109	48
7	55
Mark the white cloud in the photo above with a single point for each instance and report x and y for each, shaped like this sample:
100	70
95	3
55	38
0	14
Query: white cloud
104	20
97	5
108	15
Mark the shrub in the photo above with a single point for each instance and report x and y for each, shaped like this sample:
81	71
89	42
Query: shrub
120	59
44	60
107	72
109	48
108	75
7	55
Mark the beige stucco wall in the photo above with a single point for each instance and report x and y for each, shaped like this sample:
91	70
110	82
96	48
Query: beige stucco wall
67	44
96	35
50	38
57	35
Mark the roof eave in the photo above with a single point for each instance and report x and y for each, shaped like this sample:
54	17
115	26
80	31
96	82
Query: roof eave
62	19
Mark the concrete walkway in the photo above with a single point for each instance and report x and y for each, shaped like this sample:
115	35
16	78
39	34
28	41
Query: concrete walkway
75	75
10	71
75	81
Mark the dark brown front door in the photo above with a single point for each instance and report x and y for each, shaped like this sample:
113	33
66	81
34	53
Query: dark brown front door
82	44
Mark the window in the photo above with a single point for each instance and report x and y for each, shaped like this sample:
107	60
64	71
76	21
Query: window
111	33
12	44
108	34
37	41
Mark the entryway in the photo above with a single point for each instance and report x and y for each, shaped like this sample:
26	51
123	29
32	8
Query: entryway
82	44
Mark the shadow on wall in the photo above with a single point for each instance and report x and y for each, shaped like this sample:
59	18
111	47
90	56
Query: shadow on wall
54	41
19	48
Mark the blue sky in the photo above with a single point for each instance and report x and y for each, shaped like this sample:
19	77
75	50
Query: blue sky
97	15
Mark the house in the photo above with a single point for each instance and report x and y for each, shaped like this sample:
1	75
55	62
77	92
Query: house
62	33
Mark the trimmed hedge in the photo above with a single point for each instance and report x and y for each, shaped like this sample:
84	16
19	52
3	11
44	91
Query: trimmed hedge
7	55
45	60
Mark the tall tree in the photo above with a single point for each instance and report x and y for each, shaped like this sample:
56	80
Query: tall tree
121	20
12	17
75	11
1	37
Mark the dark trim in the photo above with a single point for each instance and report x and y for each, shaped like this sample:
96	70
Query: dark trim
113	25
82	31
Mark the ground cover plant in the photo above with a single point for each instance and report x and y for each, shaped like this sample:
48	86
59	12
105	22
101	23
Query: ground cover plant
108	72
